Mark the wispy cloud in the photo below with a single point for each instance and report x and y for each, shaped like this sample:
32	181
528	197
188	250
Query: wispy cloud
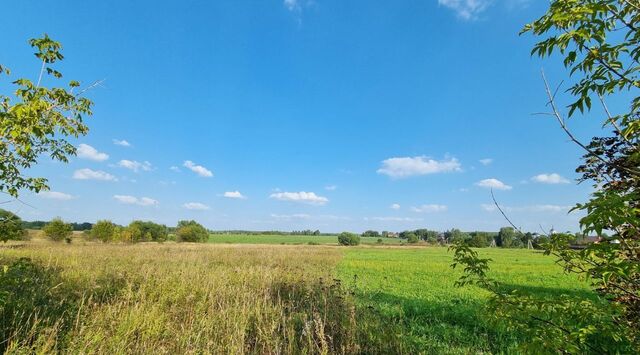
135	165
393	219
395	206
532	208
86	151
55	195
413	166
331	187
429	208
121	142
196	206
302	197
198	169
552	178
234	195
493	184
466	9
132	200
88	174
486	161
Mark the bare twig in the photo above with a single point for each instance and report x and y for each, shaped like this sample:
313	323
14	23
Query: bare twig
504	214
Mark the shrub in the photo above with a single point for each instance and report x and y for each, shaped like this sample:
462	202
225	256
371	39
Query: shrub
191	231
346	238
11	226
104	230
412	238
57	230
379	241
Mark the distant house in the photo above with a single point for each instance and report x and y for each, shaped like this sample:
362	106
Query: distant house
393	235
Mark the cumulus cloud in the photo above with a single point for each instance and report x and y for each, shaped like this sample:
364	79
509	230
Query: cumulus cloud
290	216
302	197
86	151
395	206
552	178
198	169
493	184
429	208
132	200
196	206
234	194
466	9
135	165
532	208
393	219
486	161
122	143
55	195
88	174
413	166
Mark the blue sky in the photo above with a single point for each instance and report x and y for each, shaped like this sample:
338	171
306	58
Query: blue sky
336	115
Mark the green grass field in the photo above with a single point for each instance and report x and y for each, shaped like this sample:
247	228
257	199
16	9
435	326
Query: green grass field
289	239
192	298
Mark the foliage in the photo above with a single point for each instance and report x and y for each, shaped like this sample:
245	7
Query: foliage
371	234
349	239
150	231
191	231
103	230
412	238
599	41
10	226
39	121
57	230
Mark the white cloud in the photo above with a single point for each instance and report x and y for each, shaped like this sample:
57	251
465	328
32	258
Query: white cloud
132	200
291	216
86	151
421	165
197	206
122	143
493	184
135	165
303	197
55	195
331	187
395	206
550	179
175	168
429	208
466	9
234	194
88	174
198	169
393	219
486	161
533	208
291	5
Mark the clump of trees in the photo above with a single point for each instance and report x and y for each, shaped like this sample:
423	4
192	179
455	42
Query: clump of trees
348	239
11	227
191	231
57	230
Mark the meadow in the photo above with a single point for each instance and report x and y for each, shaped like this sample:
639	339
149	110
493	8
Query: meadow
290	239
90	297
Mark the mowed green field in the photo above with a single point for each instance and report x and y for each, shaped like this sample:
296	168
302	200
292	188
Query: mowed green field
238	298
289	239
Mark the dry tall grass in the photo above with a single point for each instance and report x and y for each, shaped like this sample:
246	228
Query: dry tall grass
174	299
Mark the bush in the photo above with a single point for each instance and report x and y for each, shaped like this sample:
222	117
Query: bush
104	230
379	241
11	226
191	231
57	230
346	238
412	238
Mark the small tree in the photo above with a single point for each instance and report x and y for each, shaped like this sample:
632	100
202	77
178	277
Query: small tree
57	230
412	238
103	230
10	226
191	231
349	239
506	237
